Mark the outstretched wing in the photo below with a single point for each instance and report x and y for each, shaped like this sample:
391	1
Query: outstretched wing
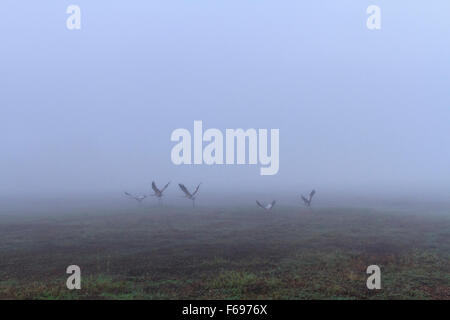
155	188
304	199
165	187
259	204
131	196
311	195
272	204
186	191
196	189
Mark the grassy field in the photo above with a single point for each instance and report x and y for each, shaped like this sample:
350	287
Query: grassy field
240	253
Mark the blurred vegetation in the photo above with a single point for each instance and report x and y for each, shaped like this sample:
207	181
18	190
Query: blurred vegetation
243	253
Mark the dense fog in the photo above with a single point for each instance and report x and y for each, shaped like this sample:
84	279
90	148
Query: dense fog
363	116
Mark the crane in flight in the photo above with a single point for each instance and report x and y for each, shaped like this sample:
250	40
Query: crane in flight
158	192
187	194
266	207
137	198
307	201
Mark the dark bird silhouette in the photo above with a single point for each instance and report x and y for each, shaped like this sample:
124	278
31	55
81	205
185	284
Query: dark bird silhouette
137	198
266	207
308	200
187	194
158	192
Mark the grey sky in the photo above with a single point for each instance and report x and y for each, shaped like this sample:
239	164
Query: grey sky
93	110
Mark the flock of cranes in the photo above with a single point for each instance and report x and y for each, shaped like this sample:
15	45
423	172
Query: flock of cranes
158	193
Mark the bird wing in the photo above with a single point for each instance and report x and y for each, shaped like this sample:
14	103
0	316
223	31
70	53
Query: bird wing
304	199
311	195
260	205
165	187
186	191
196	190
272	204
129	195
155	188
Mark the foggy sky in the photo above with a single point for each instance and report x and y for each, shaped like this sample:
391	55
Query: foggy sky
92	111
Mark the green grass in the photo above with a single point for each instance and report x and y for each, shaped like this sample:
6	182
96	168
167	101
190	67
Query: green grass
172	253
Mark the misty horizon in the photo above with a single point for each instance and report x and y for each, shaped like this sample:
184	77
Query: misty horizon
94	114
